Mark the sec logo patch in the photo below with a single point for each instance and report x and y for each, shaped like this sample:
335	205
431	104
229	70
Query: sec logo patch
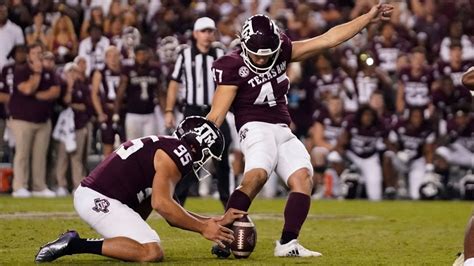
244	71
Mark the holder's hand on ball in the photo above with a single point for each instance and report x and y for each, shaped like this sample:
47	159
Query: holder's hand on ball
229	216
219	234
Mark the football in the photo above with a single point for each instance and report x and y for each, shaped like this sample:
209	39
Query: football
245	237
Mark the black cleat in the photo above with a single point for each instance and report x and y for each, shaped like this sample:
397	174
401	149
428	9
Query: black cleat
221	253
56	248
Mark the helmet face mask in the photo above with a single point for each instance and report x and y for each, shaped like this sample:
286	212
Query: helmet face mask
205	140
260	36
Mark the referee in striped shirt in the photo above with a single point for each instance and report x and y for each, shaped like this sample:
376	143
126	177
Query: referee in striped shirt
192	70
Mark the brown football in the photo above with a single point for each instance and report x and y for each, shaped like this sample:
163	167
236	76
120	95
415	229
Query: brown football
245	237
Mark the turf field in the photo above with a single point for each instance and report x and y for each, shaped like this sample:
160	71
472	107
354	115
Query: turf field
346	232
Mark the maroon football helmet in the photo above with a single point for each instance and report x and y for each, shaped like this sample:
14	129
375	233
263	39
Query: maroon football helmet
260	36
205	140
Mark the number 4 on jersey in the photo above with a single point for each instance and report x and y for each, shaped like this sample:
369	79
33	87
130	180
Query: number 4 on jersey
266	95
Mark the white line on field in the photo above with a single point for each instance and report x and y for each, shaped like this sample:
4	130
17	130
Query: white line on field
154	215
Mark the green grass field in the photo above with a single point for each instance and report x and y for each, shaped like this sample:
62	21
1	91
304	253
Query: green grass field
346	232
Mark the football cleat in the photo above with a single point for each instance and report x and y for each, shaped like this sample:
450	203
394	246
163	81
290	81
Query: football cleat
293	249
56	248
459	260
221	253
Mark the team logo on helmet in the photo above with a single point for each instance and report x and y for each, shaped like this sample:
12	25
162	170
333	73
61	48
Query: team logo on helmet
205	134
205	141
244	71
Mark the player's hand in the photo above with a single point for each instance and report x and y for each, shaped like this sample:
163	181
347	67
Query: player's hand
169	120
229	216
380	12
219	234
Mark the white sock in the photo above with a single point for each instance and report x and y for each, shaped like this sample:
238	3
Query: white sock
469	262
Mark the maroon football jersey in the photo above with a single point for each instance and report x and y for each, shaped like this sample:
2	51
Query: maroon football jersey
445	103
411	139
142	86
454	73
332	128
127	174
349	54
417	89
330	84
387	55
366	84
260	97
364	142
110	83
27	107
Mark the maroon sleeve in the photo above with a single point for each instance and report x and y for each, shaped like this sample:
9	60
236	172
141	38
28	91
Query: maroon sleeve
224	70
286	47
174	148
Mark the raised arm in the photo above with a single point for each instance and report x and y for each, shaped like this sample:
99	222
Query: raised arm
223	98
305	49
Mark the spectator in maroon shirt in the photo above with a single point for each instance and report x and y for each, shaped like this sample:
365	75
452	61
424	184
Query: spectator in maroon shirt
30	107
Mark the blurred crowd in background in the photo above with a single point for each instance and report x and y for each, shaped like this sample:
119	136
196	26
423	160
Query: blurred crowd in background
384	115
